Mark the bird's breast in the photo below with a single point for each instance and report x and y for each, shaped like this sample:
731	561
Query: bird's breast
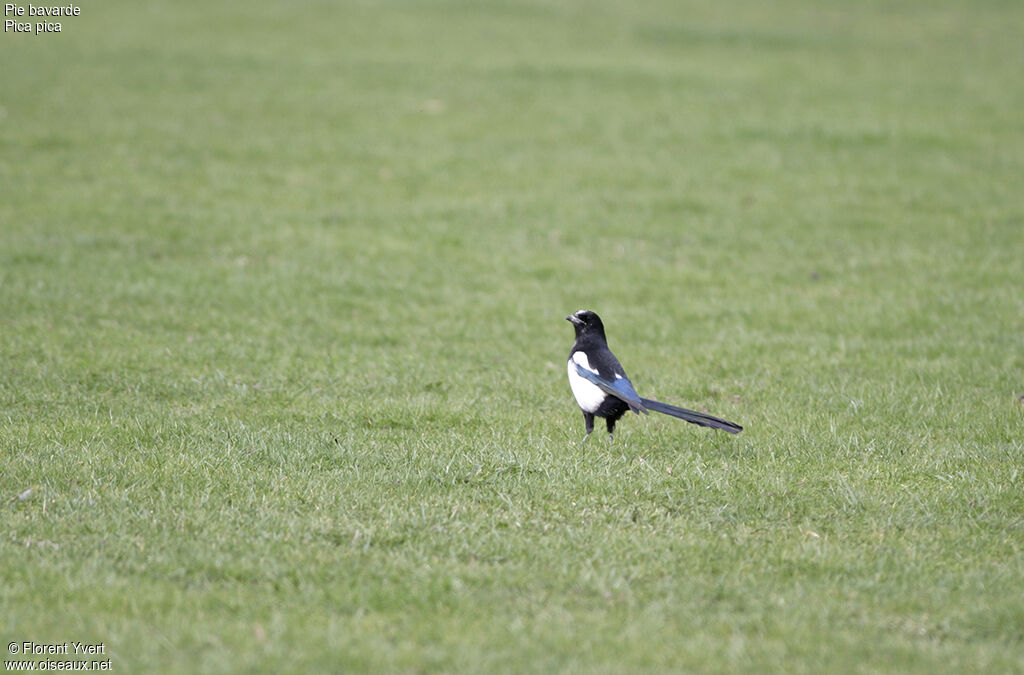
588	395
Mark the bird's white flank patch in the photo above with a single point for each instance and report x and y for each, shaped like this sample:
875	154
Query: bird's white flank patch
588	395
581	358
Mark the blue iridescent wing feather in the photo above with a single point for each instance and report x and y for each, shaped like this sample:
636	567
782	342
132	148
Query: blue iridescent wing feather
621	388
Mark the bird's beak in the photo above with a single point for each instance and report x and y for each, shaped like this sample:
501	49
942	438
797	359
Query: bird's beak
572	318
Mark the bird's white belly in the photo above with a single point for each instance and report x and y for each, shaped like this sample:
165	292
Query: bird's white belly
588	395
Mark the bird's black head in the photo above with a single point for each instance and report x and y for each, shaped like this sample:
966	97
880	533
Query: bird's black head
586	323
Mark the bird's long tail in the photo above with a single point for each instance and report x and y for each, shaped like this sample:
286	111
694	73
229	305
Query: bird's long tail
691	416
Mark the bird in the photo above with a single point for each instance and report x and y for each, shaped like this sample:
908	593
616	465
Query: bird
602	388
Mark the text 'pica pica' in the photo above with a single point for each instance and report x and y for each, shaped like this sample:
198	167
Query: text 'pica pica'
601	387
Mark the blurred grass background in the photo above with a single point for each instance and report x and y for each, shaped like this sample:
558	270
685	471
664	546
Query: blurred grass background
282	376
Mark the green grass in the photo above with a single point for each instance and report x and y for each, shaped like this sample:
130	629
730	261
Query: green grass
282	380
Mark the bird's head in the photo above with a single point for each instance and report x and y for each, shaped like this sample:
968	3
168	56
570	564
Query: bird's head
586	322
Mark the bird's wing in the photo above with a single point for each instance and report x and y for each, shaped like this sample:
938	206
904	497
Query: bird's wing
620	387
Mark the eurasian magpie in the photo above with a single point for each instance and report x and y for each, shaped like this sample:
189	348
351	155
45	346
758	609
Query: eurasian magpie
601	387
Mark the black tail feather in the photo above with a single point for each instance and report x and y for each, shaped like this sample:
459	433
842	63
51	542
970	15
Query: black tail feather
692	416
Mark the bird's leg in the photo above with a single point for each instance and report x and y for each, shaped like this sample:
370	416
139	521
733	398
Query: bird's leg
588	419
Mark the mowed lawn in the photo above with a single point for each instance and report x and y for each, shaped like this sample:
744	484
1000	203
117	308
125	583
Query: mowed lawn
282	349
